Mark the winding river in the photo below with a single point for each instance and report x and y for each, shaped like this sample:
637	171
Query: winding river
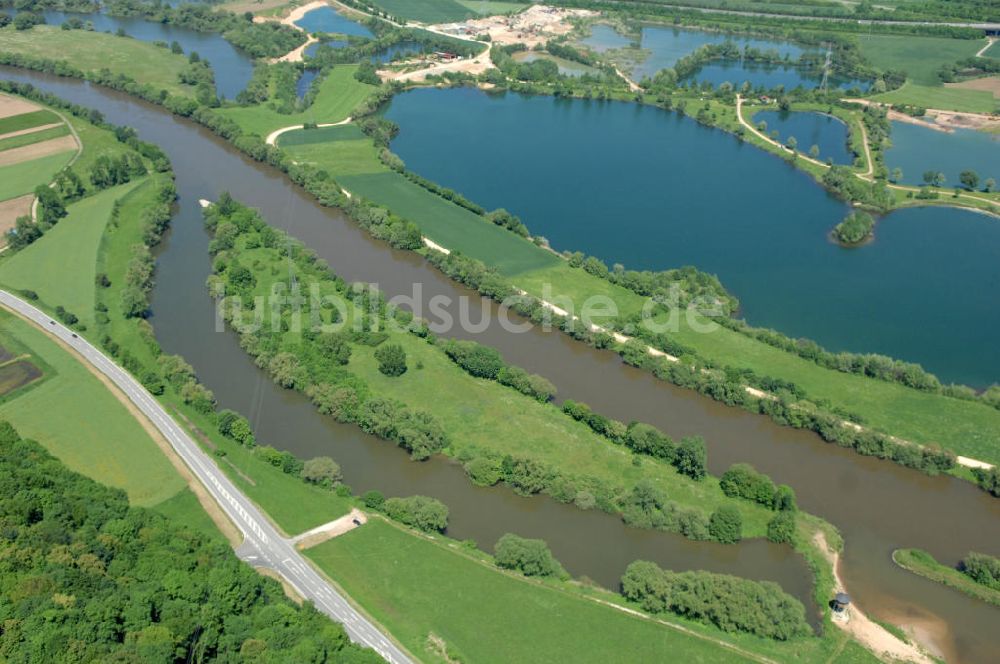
878	506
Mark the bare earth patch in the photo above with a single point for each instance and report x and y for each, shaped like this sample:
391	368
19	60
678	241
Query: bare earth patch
10	210
15	106
37	150
988	84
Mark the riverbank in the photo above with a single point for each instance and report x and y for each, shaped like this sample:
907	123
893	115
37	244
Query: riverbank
922	563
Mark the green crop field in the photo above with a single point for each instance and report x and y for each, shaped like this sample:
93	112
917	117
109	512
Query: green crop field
94	433
432	596
919	57
27	121
426	11
33	137
948	98
490	7
351	158
61	266
93	51
19	179
338	95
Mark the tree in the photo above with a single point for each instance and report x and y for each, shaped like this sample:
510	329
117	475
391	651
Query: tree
989	185
373	500
24	233
792	143
743	481
322	470
982	569
531	557
814	152
391	359
691	457
970	179
781	528
897	174
428	514
726	525
784	498
50	205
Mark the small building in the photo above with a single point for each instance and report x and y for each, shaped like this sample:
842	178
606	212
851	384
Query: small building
840	602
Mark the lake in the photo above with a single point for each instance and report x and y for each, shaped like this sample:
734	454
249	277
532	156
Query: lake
826	132
652	190
329	20
916	149
666	46
233	68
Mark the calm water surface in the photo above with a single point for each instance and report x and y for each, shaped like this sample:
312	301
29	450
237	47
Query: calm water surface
233	68
327	19
917	149
826	132
651	190
873	503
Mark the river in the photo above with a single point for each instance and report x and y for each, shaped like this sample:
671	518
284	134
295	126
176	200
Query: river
878	506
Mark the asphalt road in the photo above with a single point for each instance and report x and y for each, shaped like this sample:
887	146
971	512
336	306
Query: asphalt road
263	546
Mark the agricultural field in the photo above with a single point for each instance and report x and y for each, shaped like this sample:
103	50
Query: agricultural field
61	267
446	604
350	157
427	11
952	97
339	94
35	144
94	434
93	51
919	57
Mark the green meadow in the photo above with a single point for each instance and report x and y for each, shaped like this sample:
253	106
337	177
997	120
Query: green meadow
919	57
19	179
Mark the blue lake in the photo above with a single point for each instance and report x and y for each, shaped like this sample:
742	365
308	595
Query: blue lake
401	49
649	189
824	131
668	45
232	67
916	149
327	19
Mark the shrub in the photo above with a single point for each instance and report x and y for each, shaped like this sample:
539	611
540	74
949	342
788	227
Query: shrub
781	528
726	525
982	569
730	603
421	512
743	481
323	471
373	499
691	458
531	557
855	228
391	359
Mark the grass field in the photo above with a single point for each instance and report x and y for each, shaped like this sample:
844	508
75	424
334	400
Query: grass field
338	95
19	179
62	266
27	121
349	155
93	51
93	433
953	99
922	563
33	137
433	596
491	7
427	11
184	508
919	57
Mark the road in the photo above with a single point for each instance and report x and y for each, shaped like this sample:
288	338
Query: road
263	546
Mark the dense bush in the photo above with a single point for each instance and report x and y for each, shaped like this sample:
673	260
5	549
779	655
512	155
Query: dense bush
322	470
486	362
726	525
855	228
427	514
131	585
391	359
982	569
530	557
781	528
743	481
730	603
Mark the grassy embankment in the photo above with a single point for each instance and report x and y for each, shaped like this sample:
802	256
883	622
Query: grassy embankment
93	51
968	428
921	58
338	95
437	597
922	563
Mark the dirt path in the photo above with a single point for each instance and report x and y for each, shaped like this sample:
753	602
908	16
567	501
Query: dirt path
345	524
875	637
989	42
225	526
273	136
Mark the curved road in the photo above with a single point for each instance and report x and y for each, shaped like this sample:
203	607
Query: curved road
263	546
